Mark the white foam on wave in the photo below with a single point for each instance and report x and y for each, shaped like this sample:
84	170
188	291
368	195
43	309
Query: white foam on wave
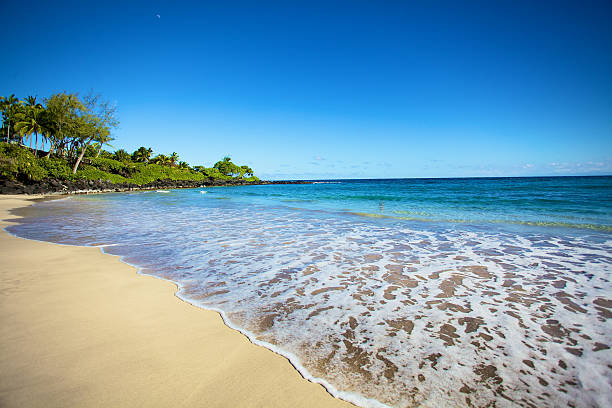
351	397
398	315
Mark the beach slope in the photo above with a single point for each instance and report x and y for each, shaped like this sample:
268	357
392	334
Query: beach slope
81	329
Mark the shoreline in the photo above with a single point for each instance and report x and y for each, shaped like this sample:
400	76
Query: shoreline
84	329
53	187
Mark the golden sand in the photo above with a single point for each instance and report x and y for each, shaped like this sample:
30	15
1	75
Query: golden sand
80	329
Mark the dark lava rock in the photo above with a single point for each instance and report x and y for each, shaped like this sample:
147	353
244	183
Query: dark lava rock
50	186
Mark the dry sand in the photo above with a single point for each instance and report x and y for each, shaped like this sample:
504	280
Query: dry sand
81	329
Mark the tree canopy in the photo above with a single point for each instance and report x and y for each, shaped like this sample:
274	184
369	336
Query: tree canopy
70	124
74	128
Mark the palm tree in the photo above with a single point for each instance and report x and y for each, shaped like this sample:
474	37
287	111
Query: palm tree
8	105
30	101
142	155
173	158
32	123
33	115
183	165
104	140
50	131
122	156
161	159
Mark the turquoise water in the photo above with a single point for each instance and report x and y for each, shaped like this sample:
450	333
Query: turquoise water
446	292
578	202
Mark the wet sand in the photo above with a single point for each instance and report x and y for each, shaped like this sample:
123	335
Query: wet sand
79	328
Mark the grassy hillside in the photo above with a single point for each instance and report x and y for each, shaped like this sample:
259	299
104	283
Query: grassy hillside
19	163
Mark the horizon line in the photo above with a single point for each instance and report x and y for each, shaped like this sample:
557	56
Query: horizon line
445	178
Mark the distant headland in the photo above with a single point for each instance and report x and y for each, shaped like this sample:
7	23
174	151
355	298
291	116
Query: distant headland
57	146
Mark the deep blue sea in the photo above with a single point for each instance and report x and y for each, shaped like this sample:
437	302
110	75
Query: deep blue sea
403	292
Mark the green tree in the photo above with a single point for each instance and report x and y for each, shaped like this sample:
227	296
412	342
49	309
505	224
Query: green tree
173	158
162	160
122	156
226	167
61	120
9	106
87	128
91	151
183	165
142	155
31	121
94	125
245	171
98	151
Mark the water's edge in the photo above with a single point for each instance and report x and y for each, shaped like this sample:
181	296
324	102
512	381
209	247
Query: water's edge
380	312
352	398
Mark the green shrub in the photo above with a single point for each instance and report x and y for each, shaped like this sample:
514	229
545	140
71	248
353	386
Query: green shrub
107	165
147	173
91	173
18	163
8	168
105	154
56	168
212	172
122	156
91	151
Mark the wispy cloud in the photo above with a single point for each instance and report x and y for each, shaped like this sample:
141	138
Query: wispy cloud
587	167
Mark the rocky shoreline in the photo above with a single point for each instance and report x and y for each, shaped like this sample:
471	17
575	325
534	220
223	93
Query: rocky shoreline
53	186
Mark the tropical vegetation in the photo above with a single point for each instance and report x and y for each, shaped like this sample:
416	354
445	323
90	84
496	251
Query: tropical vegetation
63	137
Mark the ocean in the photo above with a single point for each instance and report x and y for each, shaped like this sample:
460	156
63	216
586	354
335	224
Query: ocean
403	292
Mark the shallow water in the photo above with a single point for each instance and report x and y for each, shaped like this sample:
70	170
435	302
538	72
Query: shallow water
493	291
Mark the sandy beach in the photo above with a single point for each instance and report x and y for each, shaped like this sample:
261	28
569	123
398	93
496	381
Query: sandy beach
81	329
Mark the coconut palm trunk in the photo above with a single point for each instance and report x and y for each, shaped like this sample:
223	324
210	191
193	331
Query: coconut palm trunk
8	129
50	149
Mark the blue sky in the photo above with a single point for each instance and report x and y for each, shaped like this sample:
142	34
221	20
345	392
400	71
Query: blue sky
356	89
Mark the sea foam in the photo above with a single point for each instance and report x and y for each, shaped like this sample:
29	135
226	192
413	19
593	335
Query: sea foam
379	311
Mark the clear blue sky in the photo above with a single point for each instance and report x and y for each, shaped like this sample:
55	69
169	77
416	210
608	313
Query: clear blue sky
355	89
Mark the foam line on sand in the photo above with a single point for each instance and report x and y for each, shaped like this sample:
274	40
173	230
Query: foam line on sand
81	329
